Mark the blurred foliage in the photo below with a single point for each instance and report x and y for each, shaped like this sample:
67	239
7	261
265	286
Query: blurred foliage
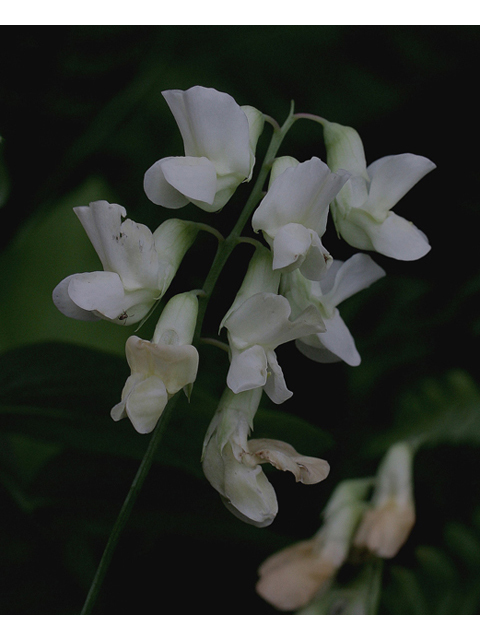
83	120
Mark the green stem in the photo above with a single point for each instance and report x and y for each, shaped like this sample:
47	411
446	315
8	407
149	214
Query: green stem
127	506
225	247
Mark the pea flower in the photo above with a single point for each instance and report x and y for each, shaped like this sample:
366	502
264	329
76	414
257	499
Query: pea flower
138	265
219	138
290	578
160	368
362	211
257	323
342	280
387	524
231	462
293	215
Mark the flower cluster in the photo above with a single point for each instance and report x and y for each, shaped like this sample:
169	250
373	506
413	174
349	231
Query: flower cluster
304	572
291	291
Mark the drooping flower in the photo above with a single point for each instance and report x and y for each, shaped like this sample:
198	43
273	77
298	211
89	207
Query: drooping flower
231	462
258	321
219	138
362	211
138	266
293	215
160	368
290	578
342	280
387	524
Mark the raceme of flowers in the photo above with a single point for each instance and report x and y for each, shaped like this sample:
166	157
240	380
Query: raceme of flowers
291	292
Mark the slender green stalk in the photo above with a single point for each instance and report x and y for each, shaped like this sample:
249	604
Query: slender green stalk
127	506
225	247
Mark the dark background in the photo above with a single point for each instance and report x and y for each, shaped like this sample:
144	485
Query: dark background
82	118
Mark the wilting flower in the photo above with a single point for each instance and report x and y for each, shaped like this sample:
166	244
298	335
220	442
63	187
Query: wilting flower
162	367
293	216
290	578
342	280
362	211
138	266
219	137
387	524
231	462
257	323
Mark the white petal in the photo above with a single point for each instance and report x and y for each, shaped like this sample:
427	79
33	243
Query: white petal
193	178
248	493
177	321
353	275
344	149
172	240
248	369
398	238
259	278
317	261
100	291
134	257
102	221
159	191
393	176
290	246
65	304
335	344
214	126
256	122
265	319
145	404
275	386
225	188
125	248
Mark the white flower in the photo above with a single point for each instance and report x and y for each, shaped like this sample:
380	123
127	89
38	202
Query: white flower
138	266
342	280
362	211
231	462
293	216
160	368
255	329
290	578
219	139
257	323
386	526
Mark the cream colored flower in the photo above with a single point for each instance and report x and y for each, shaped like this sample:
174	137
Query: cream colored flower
387	524
290	579
159	369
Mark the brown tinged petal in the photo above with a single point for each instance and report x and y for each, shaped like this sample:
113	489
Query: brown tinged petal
283	456
290	578
384	530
